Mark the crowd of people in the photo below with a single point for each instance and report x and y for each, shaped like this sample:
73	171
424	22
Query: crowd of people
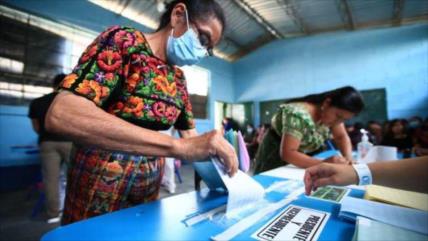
408	135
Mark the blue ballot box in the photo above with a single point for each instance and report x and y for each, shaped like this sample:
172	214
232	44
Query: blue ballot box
163	219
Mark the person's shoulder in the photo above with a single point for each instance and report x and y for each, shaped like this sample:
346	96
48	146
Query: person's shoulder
295	108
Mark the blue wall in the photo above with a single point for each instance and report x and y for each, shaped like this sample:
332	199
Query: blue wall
394	58
18	141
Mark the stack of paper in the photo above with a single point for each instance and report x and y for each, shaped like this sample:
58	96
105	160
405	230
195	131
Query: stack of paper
407	218
397	197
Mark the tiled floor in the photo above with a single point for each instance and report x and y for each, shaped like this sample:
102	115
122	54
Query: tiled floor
15	210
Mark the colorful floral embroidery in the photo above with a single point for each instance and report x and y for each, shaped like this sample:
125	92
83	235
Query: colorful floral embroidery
109	60
93	90
146	89
134	106
69	80
166	87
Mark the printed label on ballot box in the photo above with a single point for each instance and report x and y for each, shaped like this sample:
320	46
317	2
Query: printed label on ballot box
294	223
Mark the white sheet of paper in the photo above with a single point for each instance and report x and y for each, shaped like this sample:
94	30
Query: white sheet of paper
380	153
411	219
289	172
242	189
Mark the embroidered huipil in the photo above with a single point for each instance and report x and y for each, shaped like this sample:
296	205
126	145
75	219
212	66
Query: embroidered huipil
120	74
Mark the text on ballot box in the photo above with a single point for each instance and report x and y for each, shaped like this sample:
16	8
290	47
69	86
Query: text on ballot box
294	223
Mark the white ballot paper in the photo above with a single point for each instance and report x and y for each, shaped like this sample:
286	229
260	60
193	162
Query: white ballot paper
243	190
380	153
293	223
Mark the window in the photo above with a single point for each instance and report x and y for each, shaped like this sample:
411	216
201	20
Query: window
10	65
37	50
197	84
22	90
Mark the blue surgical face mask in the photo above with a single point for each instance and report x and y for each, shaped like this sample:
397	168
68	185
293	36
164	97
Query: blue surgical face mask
186	49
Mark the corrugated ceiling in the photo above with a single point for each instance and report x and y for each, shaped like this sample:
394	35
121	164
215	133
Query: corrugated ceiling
253	23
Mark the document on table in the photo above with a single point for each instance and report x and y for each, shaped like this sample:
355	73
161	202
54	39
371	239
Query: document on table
243	190
397	197
407	218
366	229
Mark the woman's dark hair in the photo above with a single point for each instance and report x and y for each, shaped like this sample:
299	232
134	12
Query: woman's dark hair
345	98
200	10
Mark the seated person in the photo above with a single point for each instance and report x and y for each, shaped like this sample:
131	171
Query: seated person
397	136
421	140
302	125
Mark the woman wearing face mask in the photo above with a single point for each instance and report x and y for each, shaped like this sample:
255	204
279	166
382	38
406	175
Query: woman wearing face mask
302	126
125	88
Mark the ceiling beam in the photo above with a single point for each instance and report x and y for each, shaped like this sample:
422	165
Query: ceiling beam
346	14
290	10
397	14
258	18
124	7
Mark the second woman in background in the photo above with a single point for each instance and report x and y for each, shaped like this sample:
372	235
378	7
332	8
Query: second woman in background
302	125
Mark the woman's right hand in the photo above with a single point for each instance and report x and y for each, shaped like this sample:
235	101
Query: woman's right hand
209	144
337	160
329	174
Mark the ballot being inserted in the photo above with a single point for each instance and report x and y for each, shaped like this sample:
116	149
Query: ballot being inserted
243	191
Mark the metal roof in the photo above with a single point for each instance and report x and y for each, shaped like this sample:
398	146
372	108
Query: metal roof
253	23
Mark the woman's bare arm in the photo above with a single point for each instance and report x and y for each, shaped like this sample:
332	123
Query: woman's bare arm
85	123
409	174
342	140
289	152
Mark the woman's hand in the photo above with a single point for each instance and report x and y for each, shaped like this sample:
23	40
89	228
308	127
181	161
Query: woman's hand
329	174
206	145
337	160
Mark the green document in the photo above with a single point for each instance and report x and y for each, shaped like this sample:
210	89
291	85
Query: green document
330	193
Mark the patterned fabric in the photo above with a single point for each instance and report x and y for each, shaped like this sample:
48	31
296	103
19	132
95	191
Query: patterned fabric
295	120
100	182
120	74
292	119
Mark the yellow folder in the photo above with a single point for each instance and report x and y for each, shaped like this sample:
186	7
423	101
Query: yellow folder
397	197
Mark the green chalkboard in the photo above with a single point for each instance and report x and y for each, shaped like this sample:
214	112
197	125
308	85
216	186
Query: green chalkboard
375	107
